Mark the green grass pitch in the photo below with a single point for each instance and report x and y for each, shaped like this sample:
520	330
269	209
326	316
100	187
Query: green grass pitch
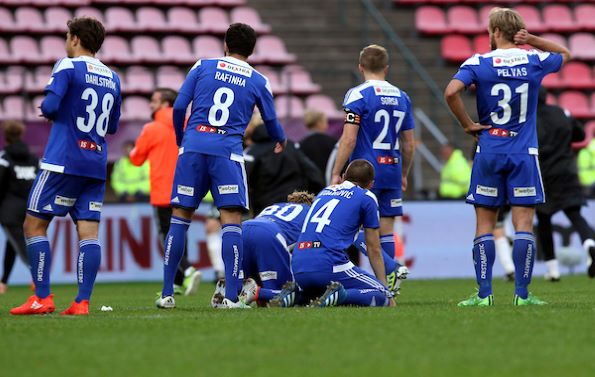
425	335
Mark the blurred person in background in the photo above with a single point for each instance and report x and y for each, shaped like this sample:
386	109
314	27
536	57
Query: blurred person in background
455	175
586	168
130	182
157	144
18	167
317	145
555	132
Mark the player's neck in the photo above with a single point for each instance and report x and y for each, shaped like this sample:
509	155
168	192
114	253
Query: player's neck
374	76
505	45
239	57
82	52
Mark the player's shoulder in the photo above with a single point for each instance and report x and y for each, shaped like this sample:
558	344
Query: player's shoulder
63	64
357	92
472	61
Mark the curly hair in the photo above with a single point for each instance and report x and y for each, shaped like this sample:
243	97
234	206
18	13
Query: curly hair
301	197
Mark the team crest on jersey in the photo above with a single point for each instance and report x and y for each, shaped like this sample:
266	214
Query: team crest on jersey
387	91
99	70
234	68
500	61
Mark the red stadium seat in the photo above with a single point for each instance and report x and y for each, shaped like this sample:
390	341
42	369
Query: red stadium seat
170	77
182	20
177	49
119	19
28	19
276	85
6	20
298	80
431	20
207	47
271	49
324	104
149	18
532	18
456	48
289	107
575	102
213	20
136	108
582	46
585	16
115	50
36	81
138	79
90	12
146	49
24	49
56	18
481	44
463	19
553	81
551	99
52	48
14	107
557	17
484	13
249	16
577	75
592	104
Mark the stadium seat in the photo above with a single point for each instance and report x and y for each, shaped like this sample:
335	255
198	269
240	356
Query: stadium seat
115	50
6	20
431	20
32	111
276	85
298	80
14	77
213	20
551	99
555	38
24	49
170	77
182	20
52	48
577	75
582	46
456	48
228	3
271	49
90	12
207	47
14	107
36	81
484	13
28	19
136	108
5	56
324	104
463	19
249	16
151	19
119	19
481	44
146	49
138	79
289	107
56	19
177	49
532	18
576	102
557	17
585	16
553	81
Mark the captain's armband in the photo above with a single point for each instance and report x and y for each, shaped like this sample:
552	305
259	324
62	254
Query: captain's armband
352	118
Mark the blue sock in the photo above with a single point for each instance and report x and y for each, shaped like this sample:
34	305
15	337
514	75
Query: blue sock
365	297
523	255
40	257
484	255
87	264
387	242
174	250
267	294
231	251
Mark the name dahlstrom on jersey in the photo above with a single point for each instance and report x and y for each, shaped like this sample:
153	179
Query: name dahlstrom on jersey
100	81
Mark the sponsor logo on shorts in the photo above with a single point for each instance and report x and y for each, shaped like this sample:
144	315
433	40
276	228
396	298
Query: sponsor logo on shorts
268	275
228	189
95	206
185	190
520	192
512	61
486	191
63	201
309	245
396	202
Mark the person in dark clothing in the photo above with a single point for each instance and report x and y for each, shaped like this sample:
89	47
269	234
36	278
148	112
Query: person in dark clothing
556	131
17	173
317	145
271	177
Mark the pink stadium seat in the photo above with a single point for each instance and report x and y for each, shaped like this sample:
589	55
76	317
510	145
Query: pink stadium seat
138	79
271	49
431	20
14	107
149	18
90	12
56	18
298	80
592	104
276	85
32	111
553	81
24	49
170	77
228	3
556	38
249	16
551	99
115	50
207	47
182	19
484	13
146	49
463	19
177	49
36	81
585	16
289	107
532	18
577	75
5	56
52	48
575	102
14	76
136	108
28	19
6	20
582	46
213	20
557	17
325	104
456	48
481	44
119	19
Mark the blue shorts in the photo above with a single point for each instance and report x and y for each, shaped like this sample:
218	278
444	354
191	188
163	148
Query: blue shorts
197	173
57	194
498	179
390	201
265	255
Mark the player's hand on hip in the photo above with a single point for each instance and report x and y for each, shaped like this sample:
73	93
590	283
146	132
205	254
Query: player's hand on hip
280	146
522	37
474	129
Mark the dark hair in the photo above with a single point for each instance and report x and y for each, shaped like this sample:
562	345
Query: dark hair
360	172
90	31
13	130
240	39
373	58
167	95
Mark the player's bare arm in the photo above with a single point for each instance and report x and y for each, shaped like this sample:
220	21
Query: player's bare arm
524	37
407	145
374	254
346	146
452	95
280	146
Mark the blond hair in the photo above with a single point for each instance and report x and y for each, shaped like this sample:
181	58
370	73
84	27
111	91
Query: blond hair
507	20
373	58
301	197
312	117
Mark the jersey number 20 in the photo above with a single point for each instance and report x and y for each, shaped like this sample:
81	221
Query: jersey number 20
101	121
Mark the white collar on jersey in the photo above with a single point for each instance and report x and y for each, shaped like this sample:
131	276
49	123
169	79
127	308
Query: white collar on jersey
237	61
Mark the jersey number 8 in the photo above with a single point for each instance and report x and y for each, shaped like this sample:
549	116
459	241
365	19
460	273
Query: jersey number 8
221	107
107	103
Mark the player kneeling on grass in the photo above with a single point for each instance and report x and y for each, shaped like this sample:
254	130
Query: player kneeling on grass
319	261
83	100
266	252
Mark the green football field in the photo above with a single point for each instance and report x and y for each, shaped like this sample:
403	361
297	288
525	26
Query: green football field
425	335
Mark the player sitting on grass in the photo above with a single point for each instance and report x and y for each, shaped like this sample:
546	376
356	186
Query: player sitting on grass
505	167
83	100
319	261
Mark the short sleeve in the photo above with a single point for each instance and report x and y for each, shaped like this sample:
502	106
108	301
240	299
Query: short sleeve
550	62
408	122
60	79
354	102
370	216
466	73
265	102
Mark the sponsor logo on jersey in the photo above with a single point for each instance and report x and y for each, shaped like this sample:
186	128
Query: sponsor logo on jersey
511	61
99	70
234	68
520	192
309	245
499	132
268	275
63	201
387	91
185	190
228	189
387	160
26	173
210	130
95	206
396	202
487	191
89	145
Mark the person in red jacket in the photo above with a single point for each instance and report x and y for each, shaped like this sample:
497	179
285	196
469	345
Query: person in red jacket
157	143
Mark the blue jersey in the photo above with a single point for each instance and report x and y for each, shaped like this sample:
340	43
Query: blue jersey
332	225
507	84
289	217
223	93
88	99
381	111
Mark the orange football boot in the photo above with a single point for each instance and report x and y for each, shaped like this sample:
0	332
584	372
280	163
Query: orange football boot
77	308
35	305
